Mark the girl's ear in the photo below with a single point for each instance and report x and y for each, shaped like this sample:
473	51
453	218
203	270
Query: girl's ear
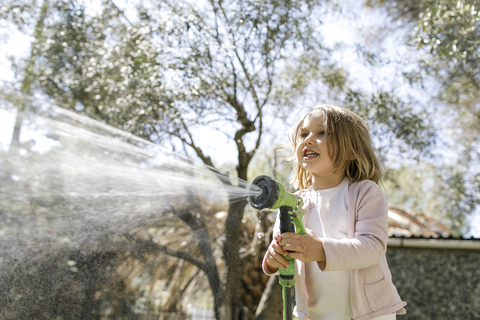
351	157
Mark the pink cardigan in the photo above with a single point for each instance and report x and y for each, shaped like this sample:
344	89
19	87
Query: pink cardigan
372	292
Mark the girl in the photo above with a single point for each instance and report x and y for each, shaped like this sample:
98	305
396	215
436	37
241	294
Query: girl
341	270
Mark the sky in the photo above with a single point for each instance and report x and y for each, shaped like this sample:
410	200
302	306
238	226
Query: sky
337	31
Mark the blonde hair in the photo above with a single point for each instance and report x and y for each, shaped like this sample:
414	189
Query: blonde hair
348	143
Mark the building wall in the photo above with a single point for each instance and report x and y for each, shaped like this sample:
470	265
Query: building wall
437	283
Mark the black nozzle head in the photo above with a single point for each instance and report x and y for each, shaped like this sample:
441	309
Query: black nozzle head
269	195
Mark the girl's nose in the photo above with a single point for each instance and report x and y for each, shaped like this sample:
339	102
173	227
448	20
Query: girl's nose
310	140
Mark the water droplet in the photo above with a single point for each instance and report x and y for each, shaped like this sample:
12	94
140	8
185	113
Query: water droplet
260	235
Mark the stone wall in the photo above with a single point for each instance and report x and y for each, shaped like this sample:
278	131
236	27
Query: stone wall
437	284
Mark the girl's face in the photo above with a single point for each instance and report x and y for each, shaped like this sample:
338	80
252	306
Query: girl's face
312	153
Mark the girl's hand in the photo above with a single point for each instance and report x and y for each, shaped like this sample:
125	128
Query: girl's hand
306	248
274	257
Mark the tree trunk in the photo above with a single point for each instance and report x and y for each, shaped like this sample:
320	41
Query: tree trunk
27	78
212	271
203	240
233	307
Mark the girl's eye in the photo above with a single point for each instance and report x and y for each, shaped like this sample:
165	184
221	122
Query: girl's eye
303	135
322	133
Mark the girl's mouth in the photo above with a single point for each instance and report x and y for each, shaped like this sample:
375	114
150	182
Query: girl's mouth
308	155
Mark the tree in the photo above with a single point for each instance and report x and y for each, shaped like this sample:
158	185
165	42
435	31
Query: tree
447	33
444	35
231	66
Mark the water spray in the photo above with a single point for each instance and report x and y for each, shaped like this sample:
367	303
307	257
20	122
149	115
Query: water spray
274	196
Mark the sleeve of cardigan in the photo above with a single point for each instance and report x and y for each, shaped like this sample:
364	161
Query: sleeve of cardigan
371	232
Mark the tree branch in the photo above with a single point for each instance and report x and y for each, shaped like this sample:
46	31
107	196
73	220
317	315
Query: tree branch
242	63
152	247
206	159
120	12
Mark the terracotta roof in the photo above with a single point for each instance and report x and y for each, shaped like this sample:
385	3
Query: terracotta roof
410	223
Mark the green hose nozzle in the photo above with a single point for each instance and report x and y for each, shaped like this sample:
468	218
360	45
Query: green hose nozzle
274	196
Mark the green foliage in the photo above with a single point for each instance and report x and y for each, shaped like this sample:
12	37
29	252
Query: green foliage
394	123
102	68
447	32
438	193
445	37
19	13
450	32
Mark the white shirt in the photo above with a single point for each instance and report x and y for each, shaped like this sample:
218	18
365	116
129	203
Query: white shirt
328	293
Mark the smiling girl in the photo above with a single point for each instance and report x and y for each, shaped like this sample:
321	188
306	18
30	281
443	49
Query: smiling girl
341	271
